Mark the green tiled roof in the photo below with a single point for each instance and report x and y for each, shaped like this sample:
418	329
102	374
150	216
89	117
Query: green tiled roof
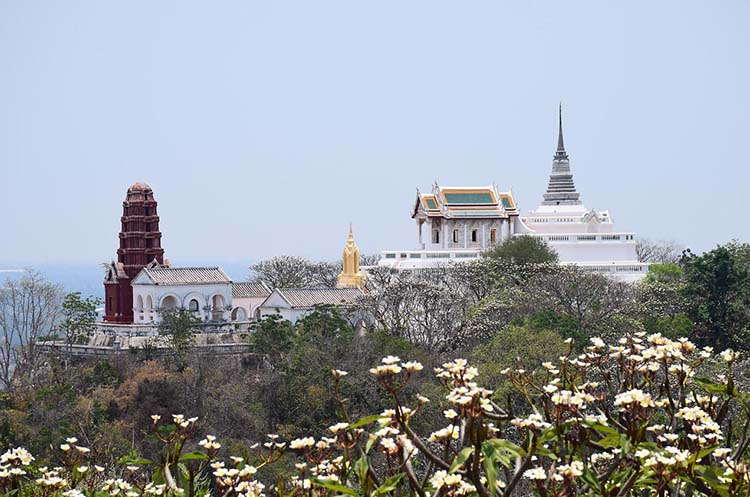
468	198
506	203
431	204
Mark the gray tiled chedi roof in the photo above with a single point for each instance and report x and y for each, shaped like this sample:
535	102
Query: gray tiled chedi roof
187	275
308	297
247	289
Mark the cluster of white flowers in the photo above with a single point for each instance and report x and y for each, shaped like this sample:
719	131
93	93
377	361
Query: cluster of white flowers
180	420
448	433
533	421
571	399
117	487
153	489
466	395
11	462
451	484
241	478
391	366
210	443
634	397
51	479
302	443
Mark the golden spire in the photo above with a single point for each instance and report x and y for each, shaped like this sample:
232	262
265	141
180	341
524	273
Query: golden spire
351	276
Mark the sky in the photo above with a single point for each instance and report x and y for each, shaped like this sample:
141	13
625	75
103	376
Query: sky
265	128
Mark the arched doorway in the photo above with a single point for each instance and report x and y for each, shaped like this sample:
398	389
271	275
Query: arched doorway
168	303
217	308
239	314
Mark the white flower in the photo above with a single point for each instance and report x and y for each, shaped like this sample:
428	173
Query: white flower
338	427
391	360
535	474
412	366
339	373
728	355
302	443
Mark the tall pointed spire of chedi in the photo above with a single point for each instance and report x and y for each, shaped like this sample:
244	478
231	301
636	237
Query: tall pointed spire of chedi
561	190
350	276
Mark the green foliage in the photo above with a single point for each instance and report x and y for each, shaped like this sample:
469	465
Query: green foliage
179	326
517	346
663	273
523	250
717	284
78	317
272	335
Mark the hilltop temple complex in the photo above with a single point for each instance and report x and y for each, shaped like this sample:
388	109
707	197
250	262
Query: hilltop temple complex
140	285
458	223
454	224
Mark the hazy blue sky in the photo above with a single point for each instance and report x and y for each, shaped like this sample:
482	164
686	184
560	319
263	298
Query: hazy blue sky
265	127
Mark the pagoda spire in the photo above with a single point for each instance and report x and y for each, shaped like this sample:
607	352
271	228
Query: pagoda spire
561	189
560	144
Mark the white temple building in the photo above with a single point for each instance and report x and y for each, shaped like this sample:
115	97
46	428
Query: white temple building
293	304
206	291
579	235
247	296
458	223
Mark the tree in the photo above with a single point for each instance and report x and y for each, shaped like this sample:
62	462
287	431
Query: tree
428	309
287	271
663	272
520	346
717	284
660	251
78	318
179	327
523	250
29	310
273	336
595	303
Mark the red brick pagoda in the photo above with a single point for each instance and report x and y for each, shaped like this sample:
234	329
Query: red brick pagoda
140	246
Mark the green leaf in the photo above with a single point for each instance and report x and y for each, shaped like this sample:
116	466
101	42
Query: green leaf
507	446
360	469
389	484
335	487
591	480
702	453
366	421
370	442
461	459
194	456
711	478
610	441
600	427
135	460
490	454
710	386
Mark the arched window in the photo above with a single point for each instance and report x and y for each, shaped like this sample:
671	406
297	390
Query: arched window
149	303
239	314
193	306
139	303
169	303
